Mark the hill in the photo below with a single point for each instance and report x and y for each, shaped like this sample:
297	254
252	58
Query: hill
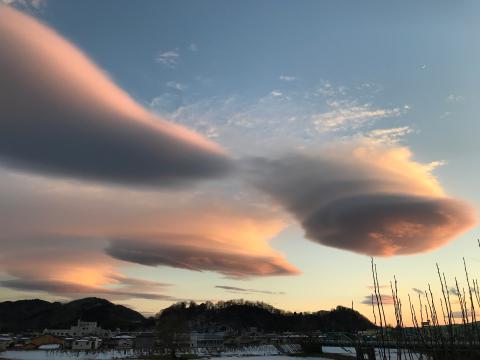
26	315
37	314
242	315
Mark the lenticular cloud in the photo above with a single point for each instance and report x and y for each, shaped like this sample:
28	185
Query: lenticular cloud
369	198
61	115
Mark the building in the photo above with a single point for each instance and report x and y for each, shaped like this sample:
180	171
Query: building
207	340
90	343
82	329
122	341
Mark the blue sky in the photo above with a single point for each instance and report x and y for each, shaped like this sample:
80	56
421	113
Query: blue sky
266	78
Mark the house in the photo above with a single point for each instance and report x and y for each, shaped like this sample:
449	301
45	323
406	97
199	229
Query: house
90	343
82	329
123	341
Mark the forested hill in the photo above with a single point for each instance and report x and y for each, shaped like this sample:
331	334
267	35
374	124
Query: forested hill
239	314
26	315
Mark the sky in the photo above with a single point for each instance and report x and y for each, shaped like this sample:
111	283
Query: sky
161	151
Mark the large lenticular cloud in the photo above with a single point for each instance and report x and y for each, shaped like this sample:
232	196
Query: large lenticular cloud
368	198
61	115
199	254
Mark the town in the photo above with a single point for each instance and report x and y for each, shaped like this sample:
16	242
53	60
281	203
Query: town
88	336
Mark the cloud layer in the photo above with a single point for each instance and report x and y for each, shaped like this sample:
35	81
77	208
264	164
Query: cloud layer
61	115
72	239
198	254
369	198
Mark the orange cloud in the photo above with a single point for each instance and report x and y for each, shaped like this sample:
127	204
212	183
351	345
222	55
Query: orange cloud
365	197
70	233
63	116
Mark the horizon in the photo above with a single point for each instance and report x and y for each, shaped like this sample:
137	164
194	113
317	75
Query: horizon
158	152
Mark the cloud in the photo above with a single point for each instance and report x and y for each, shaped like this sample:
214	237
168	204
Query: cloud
345	115
248	291
73	290
454	291
385	300
285	118
456	99
62	116
389	136
83	233
29	5
287	78
367	198
198	254
70	266
168	58
418	291
176	85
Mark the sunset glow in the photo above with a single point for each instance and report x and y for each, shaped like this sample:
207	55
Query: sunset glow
156	152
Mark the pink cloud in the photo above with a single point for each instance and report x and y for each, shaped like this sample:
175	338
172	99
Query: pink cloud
61	115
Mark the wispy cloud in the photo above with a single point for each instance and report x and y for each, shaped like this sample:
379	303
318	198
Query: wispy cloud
287	78
176	85
383	299
286	118
455	99
248	291
32	5
73	290
168	58
390	135
344	115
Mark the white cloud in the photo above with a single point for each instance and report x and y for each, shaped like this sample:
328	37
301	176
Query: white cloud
456	99
176	85
25	4
348	115
282	119
287	78
389	136
168	58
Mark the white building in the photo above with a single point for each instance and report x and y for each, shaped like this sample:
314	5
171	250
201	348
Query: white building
83	328
91	343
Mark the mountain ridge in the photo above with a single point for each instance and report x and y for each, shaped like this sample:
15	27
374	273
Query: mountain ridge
37	314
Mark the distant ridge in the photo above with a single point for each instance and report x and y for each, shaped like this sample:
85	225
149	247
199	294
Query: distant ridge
243	315
24	315
36	315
